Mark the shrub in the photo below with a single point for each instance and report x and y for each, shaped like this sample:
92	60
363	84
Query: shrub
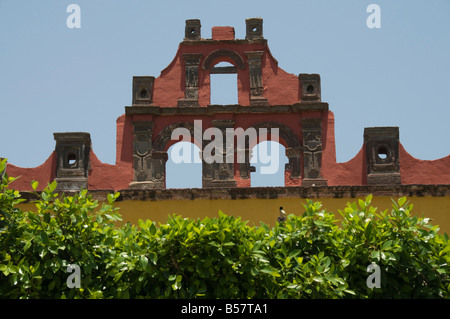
315	255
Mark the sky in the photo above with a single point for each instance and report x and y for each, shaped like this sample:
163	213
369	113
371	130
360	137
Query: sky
59	79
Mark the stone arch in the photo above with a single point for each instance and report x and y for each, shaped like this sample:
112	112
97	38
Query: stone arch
285	132
233	55
292	143
162	140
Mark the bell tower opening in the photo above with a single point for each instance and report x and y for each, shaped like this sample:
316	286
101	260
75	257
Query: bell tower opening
223	78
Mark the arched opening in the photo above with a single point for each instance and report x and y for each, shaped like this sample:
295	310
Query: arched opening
269	159
223	82
184	166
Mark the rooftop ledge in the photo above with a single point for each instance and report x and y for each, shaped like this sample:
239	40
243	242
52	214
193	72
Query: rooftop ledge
212	109
393	191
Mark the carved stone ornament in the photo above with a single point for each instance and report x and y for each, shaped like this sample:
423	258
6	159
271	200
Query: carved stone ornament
312	152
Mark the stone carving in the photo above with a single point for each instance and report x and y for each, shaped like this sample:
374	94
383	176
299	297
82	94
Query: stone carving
191	62
255	71
72	160
142	147
382	158
312	152
148	165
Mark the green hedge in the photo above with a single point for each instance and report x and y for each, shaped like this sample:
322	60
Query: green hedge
316	255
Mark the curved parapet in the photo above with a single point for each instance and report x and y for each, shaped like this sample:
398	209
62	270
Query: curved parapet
44	174
416	171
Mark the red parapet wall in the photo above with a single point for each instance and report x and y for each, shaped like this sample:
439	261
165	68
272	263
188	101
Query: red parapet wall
268	97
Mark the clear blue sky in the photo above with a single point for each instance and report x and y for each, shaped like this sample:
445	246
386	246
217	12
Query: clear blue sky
56	79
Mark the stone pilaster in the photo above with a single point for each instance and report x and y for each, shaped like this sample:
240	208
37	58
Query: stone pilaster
148	165
312	152
191	62
255	73
217	174
294	165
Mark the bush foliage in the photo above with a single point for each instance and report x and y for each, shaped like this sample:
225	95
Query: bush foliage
316	255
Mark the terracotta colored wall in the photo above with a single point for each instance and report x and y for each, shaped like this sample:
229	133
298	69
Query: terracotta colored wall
280	87
44	174
416	171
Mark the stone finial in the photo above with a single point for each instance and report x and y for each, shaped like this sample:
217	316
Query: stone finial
143	90
192	30
254	28
310	87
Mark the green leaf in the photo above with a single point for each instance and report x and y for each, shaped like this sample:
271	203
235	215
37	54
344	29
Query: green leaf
51	285
386	245
376	255
118	276
110	198
143	261
152	229
229	244
287	261
52	186
44	238
319	222
153	257
270	271
34	185
362	203
318	279
176	285
294	253
401	201
172	277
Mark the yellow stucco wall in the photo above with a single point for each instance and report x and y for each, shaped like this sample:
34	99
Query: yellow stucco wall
267	210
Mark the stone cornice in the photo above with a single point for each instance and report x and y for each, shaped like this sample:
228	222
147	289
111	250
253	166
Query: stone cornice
394	191
214	109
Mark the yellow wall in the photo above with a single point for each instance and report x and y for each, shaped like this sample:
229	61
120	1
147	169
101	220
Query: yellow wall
267	210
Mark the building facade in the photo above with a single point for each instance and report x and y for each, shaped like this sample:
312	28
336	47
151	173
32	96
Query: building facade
269	98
